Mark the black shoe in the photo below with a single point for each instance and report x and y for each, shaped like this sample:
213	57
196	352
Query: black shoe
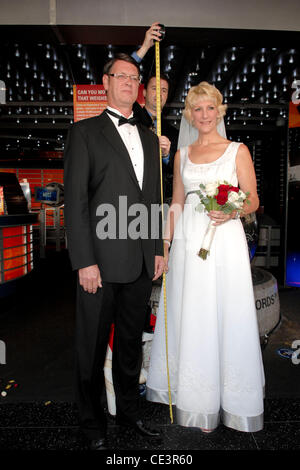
98	444
144	430
139	427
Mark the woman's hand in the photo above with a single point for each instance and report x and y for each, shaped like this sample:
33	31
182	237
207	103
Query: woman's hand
166	257
219	218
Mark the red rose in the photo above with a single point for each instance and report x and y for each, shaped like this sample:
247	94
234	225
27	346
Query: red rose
222	197
224	187
234	189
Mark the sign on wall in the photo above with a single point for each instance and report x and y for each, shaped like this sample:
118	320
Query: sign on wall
91	100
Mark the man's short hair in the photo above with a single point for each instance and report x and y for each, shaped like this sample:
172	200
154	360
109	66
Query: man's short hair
162	77
120	56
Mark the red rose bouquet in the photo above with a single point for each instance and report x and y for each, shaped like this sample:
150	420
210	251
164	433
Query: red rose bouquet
218	196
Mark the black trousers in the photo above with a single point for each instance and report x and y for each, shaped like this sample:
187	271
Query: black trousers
125	305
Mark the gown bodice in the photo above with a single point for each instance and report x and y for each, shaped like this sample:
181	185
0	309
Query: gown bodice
224	168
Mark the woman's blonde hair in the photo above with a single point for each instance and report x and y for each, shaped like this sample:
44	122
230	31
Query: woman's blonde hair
204	91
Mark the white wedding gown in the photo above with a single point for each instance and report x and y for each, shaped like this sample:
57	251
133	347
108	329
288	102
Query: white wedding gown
216	370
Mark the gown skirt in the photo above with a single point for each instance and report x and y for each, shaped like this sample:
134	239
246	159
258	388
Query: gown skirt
214	353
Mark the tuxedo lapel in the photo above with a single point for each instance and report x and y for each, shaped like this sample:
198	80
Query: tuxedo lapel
147	157
111	134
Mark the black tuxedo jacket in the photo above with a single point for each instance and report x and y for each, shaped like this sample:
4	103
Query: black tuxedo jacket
98	170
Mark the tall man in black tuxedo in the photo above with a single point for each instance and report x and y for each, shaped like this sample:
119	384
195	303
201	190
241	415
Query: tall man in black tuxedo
106	158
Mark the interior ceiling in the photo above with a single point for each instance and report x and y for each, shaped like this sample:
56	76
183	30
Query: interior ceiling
255	70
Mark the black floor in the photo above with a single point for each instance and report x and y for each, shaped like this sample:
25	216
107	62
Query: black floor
37	326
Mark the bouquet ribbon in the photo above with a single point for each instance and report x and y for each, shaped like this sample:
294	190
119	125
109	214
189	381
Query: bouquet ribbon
207	240
208	236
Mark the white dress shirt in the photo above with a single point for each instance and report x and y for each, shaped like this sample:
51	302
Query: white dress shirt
131	138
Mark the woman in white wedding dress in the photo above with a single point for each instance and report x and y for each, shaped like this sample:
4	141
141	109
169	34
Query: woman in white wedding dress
216	370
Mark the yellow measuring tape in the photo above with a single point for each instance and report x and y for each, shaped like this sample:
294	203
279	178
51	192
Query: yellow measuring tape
158	131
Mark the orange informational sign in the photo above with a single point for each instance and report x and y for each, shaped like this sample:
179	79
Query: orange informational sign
90	100
294	115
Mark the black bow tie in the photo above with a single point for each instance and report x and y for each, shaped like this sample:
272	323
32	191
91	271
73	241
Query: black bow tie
122	119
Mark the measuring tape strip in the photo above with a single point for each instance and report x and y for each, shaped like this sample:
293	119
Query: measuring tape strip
158	130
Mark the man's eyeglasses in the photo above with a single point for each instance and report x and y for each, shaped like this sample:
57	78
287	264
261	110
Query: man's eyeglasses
123	77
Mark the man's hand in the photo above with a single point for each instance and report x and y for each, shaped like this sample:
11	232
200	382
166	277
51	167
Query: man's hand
165	145
152	34
159	265
90	278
